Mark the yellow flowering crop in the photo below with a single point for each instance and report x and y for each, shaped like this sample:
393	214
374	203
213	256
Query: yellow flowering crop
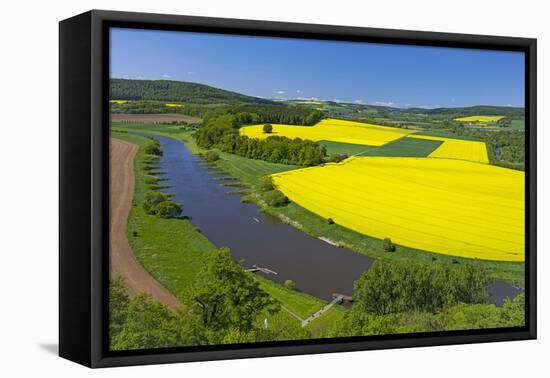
479	118
334	130
447	206
174	105
458	149
118	101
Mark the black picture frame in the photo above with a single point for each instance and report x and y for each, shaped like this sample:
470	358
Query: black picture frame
84	185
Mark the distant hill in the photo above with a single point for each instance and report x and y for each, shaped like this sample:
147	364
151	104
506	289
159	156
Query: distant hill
342	108
471	110
178	91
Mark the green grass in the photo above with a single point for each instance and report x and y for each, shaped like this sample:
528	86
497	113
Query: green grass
405	147
301	304
249	170
320	326
344	148
446	133
517	124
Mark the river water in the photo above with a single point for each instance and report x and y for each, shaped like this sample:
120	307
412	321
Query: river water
317	268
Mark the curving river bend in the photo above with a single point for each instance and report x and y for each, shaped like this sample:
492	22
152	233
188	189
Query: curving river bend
317	267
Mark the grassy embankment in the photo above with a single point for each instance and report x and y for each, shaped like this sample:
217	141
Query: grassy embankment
173	250
318	227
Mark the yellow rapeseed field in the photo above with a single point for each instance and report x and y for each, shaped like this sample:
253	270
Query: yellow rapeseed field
479	118
458	149
334	130
447	206
118	101
174	105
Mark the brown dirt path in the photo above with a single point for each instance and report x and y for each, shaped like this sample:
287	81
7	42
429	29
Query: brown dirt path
122	260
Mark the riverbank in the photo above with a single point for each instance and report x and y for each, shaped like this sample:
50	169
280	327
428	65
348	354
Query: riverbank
173	251
123	263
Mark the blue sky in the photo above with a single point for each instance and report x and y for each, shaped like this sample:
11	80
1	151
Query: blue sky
394	75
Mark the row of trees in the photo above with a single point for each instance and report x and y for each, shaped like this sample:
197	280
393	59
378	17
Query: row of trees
220	133
403	297
395	287
224	305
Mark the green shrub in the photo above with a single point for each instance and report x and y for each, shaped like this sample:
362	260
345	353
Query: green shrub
268	128
330	221
159	204
388	245
211	156
266	184
153	149
167	209
275	198
337	158
290	284
153	198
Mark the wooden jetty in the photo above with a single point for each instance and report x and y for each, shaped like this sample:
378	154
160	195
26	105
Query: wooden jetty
258	268
344	298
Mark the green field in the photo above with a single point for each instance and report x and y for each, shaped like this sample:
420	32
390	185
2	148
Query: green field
405	147
444	133
249	170
344	148
517	124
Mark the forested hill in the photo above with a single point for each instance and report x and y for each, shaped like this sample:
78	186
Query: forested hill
177	91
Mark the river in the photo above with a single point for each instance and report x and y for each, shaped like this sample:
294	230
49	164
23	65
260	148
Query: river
317	268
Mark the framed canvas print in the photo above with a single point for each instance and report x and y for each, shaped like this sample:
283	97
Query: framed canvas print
233	188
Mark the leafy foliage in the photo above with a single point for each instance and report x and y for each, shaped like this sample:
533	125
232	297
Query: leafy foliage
275	198
268	128
159	204
220	133
395	287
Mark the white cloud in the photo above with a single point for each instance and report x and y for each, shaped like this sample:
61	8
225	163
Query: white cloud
298	91
190	72
358	101
428	106
308	99
280	92
166	76
383	103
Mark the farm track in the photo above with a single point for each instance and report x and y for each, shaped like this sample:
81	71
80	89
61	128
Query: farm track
123	263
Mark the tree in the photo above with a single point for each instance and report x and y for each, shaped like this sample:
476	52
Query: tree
275	198
268	128
266	184
168	209
211	156
388	245
159	204
225	297
395	287
151	199
290	284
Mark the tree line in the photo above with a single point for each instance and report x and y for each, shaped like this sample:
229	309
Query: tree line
222	132
403	297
